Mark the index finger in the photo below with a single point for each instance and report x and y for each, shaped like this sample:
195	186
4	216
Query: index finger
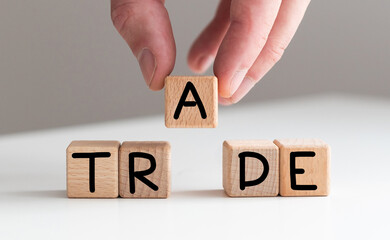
250	24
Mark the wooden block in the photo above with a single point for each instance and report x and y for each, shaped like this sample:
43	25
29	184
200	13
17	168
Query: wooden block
92	169
304	167
250	168
144	170
191	102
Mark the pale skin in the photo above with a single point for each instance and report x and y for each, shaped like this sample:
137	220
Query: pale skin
245	39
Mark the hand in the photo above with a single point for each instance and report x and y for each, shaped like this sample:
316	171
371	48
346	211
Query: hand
246	38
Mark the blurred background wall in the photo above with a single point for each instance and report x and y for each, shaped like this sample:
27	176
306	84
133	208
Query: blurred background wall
63	63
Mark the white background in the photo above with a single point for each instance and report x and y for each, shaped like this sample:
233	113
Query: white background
33	202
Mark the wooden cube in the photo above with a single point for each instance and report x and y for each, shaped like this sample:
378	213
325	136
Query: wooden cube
250	168
144	170
304	167
92	169
191	102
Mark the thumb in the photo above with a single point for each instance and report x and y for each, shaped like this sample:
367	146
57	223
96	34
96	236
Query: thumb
145	26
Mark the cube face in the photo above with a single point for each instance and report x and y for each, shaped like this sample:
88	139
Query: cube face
96	178
234	151
311	155
144	160
180	89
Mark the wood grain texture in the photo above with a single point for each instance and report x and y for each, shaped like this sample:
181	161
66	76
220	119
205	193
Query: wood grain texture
106	170
253	168
316	169
190	117
161	176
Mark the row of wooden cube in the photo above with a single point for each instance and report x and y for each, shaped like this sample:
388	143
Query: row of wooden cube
106	169
289	167
103	169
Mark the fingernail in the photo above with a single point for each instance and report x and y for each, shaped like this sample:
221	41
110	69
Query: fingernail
246	85
204	63
224	101
236	80
147	63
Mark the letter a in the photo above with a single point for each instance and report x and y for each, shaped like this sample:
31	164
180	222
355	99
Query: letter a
183	103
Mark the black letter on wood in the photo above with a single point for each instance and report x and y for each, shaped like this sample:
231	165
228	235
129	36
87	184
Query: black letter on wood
263	176
141	174
182	102
294	171
92	157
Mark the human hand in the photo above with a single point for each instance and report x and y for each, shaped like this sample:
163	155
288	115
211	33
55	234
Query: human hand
246	38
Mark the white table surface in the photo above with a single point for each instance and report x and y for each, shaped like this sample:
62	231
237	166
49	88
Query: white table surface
33	202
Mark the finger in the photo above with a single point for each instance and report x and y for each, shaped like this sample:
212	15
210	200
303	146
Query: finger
246	85
224	101
250	23
286	24
205	47
145	26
